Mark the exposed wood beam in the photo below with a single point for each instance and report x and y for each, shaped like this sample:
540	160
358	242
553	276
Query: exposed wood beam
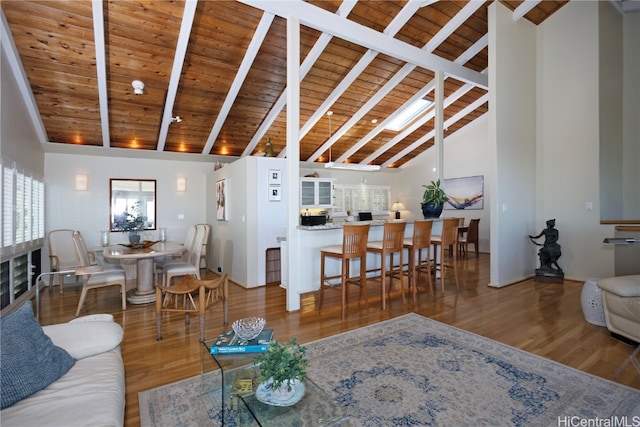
176	71
245	67
308	62
452	120
324	21
435	41
101	69
11	52
524	8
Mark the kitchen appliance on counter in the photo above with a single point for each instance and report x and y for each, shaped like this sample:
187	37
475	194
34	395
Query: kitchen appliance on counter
311	220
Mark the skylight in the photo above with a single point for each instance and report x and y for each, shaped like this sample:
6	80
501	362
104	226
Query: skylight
409	114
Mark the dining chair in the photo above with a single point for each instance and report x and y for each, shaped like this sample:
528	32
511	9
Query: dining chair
191	295
470	237
448	238
190	265
205	245
354	246
392	242
110	275
419	251
62	253
160	262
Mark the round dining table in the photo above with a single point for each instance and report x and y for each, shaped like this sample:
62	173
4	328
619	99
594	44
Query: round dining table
145	290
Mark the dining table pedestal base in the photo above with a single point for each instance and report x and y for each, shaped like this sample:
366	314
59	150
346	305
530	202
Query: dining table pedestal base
145	292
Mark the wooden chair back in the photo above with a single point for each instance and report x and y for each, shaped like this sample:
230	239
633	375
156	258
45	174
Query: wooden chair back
354	241
422	234
449	233
393	236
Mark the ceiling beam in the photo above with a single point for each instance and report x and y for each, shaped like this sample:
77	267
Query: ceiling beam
241	75
11	52
97	7
328	22
176	71
524	8
308	62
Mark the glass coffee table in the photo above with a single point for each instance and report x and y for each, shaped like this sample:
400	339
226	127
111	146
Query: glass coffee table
240	406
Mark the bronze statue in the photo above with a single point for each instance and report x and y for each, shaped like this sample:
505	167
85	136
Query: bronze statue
550	250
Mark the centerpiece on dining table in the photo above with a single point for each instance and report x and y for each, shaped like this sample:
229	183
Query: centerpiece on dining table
131	221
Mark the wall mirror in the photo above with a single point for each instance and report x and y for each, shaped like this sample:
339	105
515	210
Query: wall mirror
132	196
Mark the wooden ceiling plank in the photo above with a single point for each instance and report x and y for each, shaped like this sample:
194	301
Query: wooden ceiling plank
176	71
447	123
321	20
394	26
245	66
524	8
10	50
101	69
308	62
442	35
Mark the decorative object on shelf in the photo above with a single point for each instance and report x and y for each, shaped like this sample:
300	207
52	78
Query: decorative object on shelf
433	200
591	299
131	222
221	203
282	369
248	328
268	148
549	253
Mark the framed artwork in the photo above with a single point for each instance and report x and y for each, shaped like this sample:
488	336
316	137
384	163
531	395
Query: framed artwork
275	193
464	193
222	191
274	177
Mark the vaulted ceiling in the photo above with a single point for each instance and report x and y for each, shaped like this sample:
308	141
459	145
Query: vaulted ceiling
221	66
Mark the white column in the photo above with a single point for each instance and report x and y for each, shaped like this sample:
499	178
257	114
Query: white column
293	162
439	123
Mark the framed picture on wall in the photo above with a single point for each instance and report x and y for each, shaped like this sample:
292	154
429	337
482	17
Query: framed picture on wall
222	191
464	193
275	193
274	177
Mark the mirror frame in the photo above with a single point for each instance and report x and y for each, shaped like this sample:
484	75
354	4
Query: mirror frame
112	214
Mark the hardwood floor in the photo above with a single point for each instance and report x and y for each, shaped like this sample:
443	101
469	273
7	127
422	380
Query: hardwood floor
545	319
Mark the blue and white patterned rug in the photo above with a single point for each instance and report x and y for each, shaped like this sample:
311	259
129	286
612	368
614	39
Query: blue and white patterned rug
413	371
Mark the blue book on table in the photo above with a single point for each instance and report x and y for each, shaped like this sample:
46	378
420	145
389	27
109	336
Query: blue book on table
229	343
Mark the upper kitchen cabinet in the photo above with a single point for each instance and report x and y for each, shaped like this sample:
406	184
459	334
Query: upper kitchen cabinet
316	192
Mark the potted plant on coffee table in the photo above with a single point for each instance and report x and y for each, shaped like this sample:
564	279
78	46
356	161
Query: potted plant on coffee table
282	367
433	200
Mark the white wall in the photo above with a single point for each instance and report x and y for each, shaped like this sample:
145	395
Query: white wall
88	211
512	138
568	139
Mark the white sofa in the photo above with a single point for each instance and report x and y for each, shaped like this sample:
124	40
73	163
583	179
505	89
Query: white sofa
91	392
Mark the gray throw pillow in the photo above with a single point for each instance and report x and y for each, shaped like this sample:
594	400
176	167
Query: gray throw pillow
28	359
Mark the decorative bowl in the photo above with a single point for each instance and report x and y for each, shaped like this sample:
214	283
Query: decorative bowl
249	327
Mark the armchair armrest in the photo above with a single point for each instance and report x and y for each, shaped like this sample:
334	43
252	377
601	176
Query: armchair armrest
624	286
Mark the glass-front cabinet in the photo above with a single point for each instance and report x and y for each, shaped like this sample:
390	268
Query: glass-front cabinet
316	192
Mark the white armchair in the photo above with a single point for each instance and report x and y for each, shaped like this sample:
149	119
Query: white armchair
621	301
62	253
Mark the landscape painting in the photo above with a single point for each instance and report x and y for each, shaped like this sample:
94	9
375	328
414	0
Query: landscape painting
464	193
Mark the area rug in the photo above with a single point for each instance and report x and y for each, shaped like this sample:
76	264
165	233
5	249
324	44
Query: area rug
414	371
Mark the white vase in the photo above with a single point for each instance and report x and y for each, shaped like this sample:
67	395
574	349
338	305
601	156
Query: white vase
283	392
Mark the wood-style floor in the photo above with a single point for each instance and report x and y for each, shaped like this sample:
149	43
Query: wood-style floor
544	319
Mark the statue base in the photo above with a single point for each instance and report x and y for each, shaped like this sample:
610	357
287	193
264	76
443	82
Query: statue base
549	277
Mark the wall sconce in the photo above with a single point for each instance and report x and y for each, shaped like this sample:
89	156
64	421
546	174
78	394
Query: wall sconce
181	184
82	182
397	206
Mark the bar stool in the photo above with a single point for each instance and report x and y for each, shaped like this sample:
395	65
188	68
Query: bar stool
449	238
392	242
419	243
354	245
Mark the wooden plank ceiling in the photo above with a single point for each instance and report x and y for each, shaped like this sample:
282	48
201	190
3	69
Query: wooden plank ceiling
221	67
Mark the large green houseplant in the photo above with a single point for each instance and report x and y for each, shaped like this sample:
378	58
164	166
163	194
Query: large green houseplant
433	200
282	364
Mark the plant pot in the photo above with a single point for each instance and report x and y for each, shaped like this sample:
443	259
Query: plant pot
283	392
431	210
134	238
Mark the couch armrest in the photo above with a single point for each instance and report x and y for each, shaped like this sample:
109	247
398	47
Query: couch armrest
624	286
84	339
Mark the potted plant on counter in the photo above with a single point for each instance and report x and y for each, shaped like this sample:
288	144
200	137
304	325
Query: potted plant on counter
131	222
282	367
433	200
